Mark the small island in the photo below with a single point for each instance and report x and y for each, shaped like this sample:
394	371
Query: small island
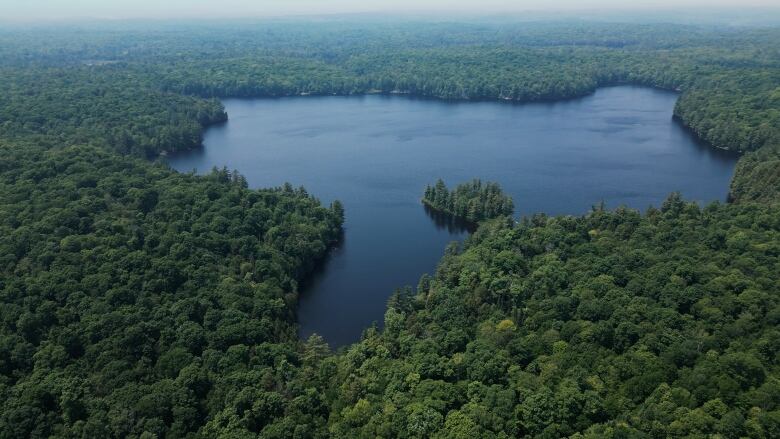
473	201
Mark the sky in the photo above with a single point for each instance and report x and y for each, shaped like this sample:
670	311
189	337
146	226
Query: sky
35	10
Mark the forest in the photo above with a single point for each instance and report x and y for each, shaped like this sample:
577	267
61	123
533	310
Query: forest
472	201
140	302
609	325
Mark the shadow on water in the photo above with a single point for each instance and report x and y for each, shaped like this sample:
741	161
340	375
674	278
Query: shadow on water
320	267
375	154
195	155
450	223
703	147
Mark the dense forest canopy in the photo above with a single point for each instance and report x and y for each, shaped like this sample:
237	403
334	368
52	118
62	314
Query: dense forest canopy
610	325
126	287
140	302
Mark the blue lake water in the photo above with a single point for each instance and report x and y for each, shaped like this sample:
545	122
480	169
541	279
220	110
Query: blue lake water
377	153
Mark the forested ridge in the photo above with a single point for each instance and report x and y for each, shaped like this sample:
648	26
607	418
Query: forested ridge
140	302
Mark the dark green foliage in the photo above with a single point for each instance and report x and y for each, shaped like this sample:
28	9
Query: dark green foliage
102	104
614	324
740	111
471	201
139	302
757	177
136	299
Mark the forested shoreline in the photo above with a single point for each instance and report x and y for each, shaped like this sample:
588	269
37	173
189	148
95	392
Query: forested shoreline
141	302
727	80
609	325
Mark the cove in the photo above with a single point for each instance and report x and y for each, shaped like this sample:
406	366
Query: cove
376	153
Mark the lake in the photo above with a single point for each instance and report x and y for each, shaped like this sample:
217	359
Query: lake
377	153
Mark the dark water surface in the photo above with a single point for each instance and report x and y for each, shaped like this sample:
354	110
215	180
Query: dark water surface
377	153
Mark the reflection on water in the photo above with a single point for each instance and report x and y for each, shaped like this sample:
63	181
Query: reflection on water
378	153
704	148
318	274
450	223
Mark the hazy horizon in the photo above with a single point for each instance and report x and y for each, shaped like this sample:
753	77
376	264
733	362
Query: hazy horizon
62	10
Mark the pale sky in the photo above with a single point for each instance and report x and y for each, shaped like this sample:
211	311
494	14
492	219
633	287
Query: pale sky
33	10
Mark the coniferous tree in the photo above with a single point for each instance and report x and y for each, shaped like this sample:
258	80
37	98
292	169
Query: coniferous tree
472	201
